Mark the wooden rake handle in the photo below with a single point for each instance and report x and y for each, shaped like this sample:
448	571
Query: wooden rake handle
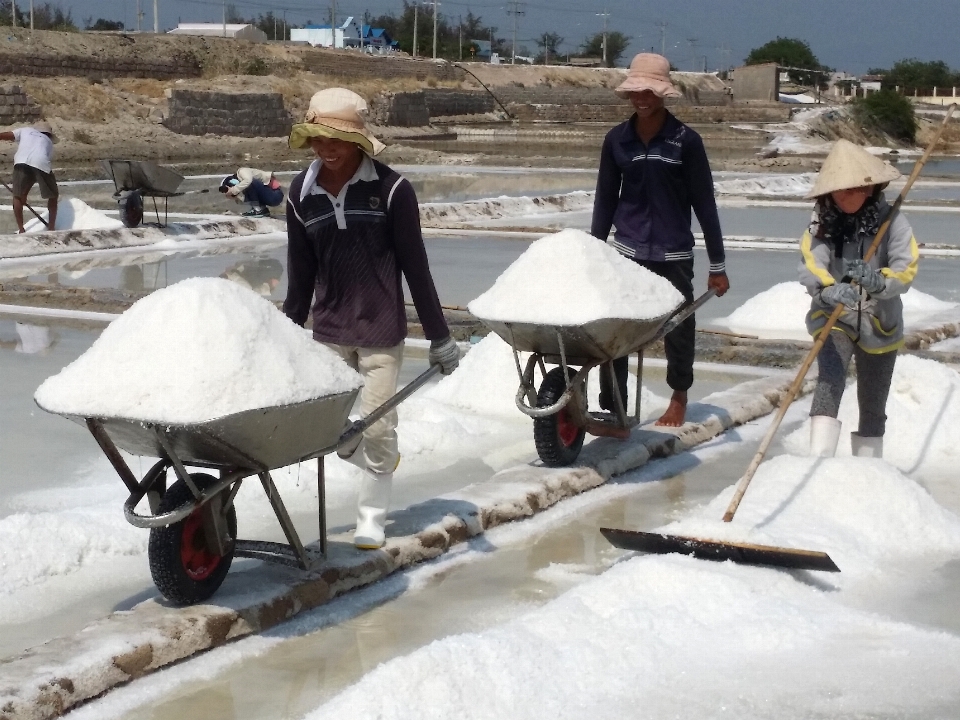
825	332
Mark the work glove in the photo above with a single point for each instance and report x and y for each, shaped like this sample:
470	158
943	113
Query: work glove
865	276
444	353
840	293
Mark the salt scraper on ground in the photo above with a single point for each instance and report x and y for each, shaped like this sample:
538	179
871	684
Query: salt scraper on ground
745	553
193	523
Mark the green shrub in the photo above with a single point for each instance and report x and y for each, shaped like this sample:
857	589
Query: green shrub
256	66
888	112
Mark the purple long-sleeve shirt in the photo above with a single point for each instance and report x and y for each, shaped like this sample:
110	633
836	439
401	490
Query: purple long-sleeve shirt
355	270
648	191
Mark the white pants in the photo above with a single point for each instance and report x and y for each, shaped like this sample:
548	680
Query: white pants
380	369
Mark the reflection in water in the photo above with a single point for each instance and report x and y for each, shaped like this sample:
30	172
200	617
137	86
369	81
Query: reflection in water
31	339
262	275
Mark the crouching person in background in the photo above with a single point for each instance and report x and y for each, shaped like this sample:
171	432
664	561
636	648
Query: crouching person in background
258	188
353	228
849	209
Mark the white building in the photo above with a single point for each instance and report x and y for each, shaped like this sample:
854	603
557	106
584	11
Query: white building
327	36
231	30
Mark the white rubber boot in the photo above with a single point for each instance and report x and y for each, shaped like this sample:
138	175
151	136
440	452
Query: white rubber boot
871	447
824	435
372	504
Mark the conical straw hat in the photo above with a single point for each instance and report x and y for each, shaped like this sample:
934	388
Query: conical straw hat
850	166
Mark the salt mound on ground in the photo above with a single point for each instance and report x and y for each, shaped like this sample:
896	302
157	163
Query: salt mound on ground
572	278
922	418
780	311
197	350
74	214
863	512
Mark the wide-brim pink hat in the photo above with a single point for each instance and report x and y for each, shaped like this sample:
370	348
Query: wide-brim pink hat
648	71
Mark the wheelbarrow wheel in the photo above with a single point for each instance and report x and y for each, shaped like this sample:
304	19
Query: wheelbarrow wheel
184	568
131	209
557	437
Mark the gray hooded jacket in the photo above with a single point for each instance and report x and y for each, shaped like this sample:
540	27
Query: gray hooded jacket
876	325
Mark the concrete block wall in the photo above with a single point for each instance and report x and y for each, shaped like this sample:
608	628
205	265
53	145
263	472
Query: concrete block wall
757	82
405	109
193	112
442	102
41	65
16	108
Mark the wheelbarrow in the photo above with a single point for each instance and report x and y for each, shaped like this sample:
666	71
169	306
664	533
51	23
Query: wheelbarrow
137	179
561	418
193	523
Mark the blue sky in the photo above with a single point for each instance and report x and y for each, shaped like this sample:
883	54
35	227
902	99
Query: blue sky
850	35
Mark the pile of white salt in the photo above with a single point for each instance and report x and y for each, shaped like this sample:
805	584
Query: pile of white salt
572	278
192	352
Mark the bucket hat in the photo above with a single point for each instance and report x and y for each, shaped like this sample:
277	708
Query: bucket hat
850	166
45	127
336	113
648	71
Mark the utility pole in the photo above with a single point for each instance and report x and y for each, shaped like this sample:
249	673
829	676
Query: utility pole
416	4
13	12
515	12
460	27
434	29
361	33
693	52
156	18
663	37
604	15
31	14
224	17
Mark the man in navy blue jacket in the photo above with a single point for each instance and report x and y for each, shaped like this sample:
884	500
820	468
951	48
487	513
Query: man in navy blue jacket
653	172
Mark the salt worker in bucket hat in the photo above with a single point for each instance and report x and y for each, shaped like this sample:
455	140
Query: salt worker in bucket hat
353	227
33	165
653	172
849	208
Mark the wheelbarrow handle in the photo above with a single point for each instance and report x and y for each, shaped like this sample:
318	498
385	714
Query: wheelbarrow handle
357	427
682	313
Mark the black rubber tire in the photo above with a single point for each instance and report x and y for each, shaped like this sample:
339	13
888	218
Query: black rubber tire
557	439
131	209
170	557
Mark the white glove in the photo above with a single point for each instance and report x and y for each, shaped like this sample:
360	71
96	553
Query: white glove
840	293
444	353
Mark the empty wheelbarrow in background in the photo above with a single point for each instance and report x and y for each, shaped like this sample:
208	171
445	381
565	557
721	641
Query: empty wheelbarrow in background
137	179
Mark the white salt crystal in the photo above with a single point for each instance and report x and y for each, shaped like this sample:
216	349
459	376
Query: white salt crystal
572	278
197	350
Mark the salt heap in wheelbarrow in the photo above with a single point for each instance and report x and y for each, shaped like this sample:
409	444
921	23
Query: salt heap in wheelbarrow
572	278
195	351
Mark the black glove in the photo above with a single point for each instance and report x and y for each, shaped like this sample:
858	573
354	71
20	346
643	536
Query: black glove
865	276
840	293
444	353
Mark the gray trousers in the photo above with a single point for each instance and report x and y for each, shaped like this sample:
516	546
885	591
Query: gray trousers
874	373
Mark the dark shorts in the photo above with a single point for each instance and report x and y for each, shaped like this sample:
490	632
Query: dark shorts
26	176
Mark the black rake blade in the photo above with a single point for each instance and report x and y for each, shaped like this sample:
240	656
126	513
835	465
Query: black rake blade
743	553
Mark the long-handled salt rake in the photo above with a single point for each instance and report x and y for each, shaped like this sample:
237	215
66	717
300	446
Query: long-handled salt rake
746	553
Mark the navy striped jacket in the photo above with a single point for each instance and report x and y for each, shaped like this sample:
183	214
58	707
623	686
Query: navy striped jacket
350	259
647	193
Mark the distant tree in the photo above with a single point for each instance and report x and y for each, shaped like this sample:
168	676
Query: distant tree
913	73
449	32
788	52
102	24
889	112
616	45
548	43
45	17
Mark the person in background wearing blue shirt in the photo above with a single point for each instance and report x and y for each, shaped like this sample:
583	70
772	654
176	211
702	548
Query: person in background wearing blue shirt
653	172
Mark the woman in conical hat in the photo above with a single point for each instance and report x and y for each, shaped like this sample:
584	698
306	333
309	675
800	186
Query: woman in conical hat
848	211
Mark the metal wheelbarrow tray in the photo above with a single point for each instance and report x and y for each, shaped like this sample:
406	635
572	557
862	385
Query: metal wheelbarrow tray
559	408
137	179
193	524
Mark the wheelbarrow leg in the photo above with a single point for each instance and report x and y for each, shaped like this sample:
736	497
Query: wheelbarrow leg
285	522
322	511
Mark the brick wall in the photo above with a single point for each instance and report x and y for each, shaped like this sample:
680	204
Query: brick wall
442	102
15	107
353	65
43	65
240	114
